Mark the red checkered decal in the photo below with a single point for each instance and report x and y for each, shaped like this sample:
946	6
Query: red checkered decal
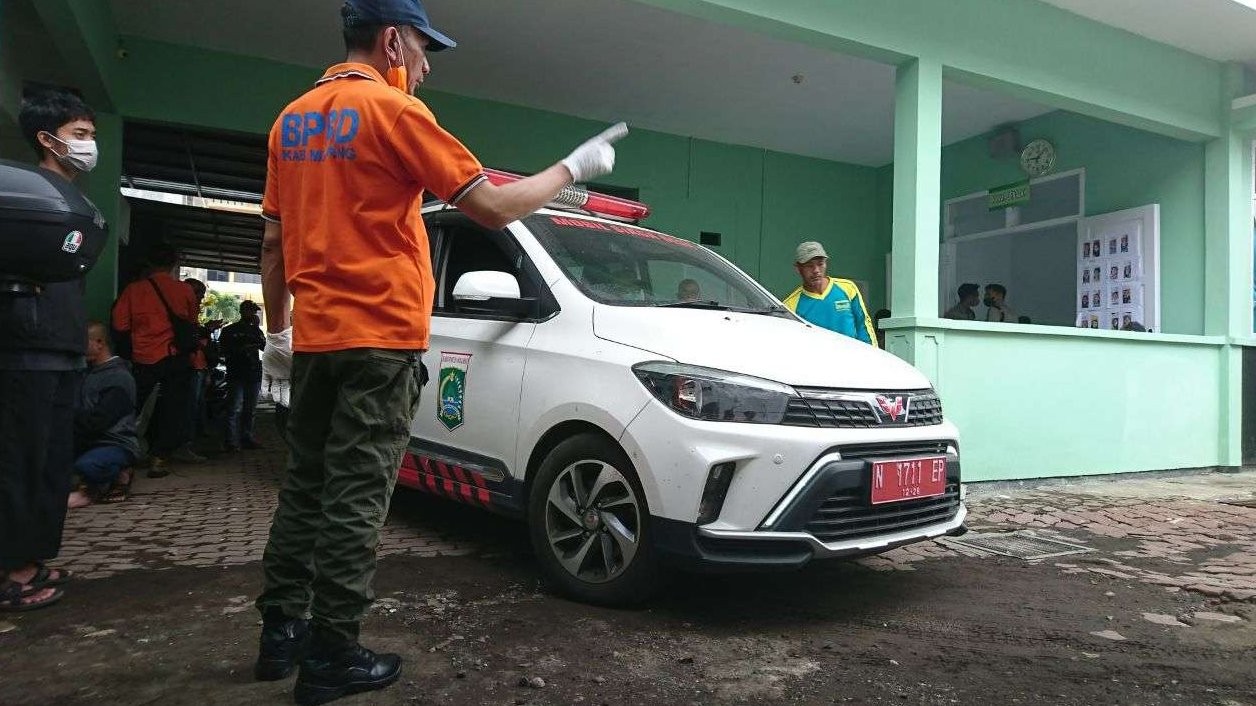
448	480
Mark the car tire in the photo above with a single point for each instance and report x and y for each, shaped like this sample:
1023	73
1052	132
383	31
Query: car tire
590	525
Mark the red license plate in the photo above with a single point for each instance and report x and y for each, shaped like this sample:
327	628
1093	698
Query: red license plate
908	479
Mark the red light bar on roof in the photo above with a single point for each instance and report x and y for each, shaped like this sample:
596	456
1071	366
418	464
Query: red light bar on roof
576	198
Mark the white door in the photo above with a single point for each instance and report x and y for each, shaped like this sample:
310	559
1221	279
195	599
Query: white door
1122	251
469	413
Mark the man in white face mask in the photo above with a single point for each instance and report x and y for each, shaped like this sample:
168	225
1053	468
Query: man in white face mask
71	150
42	347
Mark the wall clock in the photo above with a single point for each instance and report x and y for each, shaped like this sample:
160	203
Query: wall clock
1038	158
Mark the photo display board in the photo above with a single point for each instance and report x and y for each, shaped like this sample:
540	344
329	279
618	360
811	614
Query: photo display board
1110	278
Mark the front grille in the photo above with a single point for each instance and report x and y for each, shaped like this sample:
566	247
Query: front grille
890	450
849	514
857	410
842	414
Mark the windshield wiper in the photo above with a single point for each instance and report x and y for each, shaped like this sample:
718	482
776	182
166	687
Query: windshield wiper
769	310
696	305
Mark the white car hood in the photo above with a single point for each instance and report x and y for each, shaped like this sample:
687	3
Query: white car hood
771	347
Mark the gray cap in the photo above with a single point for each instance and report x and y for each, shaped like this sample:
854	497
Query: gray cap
809	251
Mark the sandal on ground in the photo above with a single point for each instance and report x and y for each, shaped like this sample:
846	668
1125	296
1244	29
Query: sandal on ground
47	578
14	597
117	492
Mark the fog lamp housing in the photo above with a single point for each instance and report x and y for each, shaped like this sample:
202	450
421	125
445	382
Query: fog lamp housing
719	478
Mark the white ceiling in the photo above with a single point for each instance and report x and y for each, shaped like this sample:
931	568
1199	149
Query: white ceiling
608	60
1224	30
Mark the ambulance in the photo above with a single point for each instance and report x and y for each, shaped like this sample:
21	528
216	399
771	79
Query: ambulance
642	404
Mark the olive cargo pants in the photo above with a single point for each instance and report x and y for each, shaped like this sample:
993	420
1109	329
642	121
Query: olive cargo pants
347	430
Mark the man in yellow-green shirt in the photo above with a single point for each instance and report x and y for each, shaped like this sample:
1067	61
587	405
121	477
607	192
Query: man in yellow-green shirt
829	302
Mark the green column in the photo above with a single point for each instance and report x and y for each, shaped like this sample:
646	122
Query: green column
917	204
1227	295
85	38
917	188
102	186
1228	225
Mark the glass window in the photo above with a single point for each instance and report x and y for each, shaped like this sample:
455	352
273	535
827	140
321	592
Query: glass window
217	275
248	278
624	265
475	249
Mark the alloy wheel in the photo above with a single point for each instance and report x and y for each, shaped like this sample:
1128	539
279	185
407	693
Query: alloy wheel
593	521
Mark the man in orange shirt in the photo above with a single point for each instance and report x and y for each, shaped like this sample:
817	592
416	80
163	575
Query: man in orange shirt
348	164
143	320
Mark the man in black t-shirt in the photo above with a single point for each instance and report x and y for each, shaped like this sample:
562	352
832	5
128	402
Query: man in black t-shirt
43	339
241	345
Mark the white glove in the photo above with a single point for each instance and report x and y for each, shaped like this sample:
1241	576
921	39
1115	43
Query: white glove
596	156
279	390
277	355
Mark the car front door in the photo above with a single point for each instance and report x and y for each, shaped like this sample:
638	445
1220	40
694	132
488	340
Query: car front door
466	430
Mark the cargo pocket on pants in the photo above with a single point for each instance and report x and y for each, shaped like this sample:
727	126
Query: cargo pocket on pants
404	370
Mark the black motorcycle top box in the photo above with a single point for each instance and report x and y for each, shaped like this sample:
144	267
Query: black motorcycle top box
49	231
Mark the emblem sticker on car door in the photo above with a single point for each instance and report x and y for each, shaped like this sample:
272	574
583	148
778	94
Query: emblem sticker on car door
451	391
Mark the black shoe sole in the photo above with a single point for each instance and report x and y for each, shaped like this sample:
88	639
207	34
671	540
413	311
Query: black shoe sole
273	670
313	694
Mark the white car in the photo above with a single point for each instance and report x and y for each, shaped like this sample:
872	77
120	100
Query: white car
634	425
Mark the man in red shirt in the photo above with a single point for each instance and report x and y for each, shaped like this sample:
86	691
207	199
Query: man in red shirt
349	162
143	320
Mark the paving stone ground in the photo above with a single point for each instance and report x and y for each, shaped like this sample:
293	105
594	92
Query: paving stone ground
1170	531
1158	611
212	514
1184	532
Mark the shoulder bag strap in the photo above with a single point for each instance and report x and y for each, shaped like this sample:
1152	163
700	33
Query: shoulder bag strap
169	312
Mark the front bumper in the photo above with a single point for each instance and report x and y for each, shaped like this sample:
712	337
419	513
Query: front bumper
674	455
826	514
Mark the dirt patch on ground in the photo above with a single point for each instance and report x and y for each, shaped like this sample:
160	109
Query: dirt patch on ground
480	630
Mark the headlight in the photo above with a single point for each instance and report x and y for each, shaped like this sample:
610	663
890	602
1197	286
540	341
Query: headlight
715	395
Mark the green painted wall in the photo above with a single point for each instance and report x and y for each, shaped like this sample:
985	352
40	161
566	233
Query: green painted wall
1125	168
762	203
1033	405
833	203
179	84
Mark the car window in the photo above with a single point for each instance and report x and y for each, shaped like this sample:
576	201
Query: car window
470	248
673	280
626	265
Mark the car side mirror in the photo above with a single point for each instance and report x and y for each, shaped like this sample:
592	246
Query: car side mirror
494	293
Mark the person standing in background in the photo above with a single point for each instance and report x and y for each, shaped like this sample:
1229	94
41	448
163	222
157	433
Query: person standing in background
828	302
145	318
241	344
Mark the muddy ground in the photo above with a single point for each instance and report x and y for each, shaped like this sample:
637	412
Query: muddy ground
475	629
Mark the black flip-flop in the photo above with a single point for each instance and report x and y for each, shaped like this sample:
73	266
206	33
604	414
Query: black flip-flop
43	577
12	593
117	492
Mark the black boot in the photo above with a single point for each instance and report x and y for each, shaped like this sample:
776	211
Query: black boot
333	670
282	645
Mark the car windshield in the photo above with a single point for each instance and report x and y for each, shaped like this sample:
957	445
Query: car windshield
625	265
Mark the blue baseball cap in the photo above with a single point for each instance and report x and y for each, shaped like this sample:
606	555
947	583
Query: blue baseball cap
368	13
